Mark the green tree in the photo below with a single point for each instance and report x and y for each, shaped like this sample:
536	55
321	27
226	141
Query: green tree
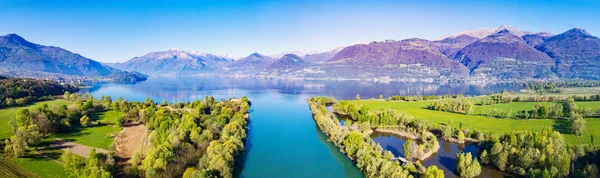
380	97
67	95
72	163
447	132
23	118
461	136
578	124
353	142
408	149
433	172
466	166
357	97
33	134
16	146
84	121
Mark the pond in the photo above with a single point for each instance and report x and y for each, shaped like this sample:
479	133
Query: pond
283	140
444	159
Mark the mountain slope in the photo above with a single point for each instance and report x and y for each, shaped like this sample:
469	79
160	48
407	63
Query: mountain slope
288	62
576	53
251	64
449	46
504	55
321	57
537	39
174	62
411	58
18	53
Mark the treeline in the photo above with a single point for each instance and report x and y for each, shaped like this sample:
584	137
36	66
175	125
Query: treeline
369	157
195	139
20	91
542	87
381	117
463	106
527	153
539	111
505	97
552	87
421	98
589	112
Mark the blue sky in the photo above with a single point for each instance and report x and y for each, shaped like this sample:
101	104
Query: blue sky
116	31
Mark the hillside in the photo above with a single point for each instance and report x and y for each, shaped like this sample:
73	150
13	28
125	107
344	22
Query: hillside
287	63
576	53
506	56
253	63
18	53
411	58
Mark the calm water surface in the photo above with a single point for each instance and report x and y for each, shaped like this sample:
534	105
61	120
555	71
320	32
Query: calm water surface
283	140
444	159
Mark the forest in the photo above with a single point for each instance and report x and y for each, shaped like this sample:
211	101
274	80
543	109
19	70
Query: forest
21	91
202	138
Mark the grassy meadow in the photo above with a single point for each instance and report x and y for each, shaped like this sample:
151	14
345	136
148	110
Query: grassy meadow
489	124
35	165
95	135
7	114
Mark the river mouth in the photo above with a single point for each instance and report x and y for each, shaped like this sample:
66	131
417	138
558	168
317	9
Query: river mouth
283	140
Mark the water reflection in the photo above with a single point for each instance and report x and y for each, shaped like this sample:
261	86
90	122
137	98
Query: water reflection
191	88
444	159
283	140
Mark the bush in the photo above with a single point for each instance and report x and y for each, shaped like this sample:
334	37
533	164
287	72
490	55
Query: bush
466	166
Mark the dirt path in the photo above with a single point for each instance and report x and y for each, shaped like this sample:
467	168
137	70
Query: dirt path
130	140
76	148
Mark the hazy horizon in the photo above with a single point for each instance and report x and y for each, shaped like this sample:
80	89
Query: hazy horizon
119	31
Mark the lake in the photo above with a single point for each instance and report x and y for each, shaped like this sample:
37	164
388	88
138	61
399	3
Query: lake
283	140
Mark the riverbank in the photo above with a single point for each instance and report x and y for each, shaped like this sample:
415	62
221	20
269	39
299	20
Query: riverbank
362	150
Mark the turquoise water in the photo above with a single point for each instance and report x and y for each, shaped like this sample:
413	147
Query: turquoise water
283	140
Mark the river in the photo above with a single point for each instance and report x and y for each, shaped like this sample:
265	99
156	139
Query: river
283	140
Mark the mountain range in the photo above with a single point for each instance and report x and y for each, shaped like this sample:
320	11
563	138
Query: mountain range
488	54
16	53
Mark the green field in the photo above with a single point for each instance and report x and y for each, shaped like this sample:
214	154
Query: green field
96	135
43	167
580	90
588	104
32	164
7	114
9	170
486	124
515	106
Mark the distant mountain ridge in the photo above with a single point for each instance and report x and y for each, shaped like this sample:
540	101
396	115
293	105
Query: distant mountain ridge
174	62
18	54
505	55
488	54
576	54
